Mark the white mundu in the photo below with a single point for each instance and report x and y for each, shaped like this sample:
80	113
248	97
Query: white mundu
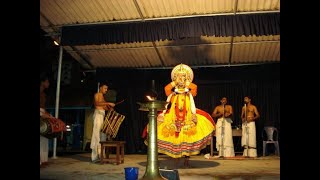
252	152
44	144
97	135
228	149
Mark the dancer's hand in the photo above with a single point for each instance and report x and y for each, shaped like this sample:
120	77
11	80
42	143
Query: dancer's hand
194	118
160	118
173	84
187	83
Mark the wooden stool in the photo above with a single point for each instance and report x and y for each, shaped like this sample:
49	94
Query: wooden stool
106	145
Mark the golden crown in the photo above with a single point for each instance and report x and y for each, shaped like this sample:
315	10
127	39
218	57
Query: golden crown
182	69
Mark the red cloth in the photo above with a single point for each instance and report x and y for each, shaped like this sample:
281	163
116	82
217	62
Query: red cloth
57	125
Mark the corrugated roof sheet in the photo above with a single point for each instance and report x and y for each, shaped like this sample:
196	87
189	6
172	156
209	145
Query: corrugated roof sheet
202	51
67	12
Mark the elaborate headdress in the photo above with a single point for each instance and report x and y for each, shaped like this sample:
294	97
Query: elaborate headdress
184	69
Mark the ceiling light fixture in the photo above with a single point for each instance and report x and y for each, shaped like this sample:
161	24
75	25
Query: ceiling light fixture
56	43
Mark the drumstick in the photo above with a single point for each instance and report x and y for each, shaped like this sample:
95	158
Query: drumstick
119	102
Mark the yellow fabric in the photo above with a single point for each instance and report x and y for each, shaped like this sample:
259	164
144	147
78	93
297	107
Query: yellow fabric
190	134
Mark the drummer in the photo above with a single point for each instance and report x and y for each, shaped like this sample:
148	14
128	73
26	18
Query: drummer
44	146
98	117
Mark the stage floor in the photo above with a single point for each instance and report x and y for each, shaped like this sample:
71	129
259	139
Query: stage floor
79	166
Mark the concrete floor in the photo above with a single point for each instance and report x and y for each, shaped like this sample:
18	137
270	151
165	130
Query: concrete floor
79	166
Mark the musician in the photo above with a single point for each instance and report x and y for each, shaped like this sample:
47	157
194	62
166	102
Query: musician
183	130
98	117
249	115
44	146
224	140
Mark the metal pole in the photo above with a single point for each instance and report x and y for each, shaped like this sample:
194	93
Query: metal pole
152	169
57	97
211	146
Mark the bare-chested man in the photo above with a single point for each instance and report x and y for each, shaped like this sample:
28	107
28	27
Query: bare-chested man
98	117
249	128
224	141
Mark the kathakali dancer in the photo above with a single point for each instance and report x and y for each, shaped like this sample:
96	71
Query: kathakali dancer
183	130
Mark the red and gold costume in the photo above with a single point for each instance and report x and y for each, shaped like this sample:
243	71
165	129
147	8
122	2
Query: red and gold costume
183	130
